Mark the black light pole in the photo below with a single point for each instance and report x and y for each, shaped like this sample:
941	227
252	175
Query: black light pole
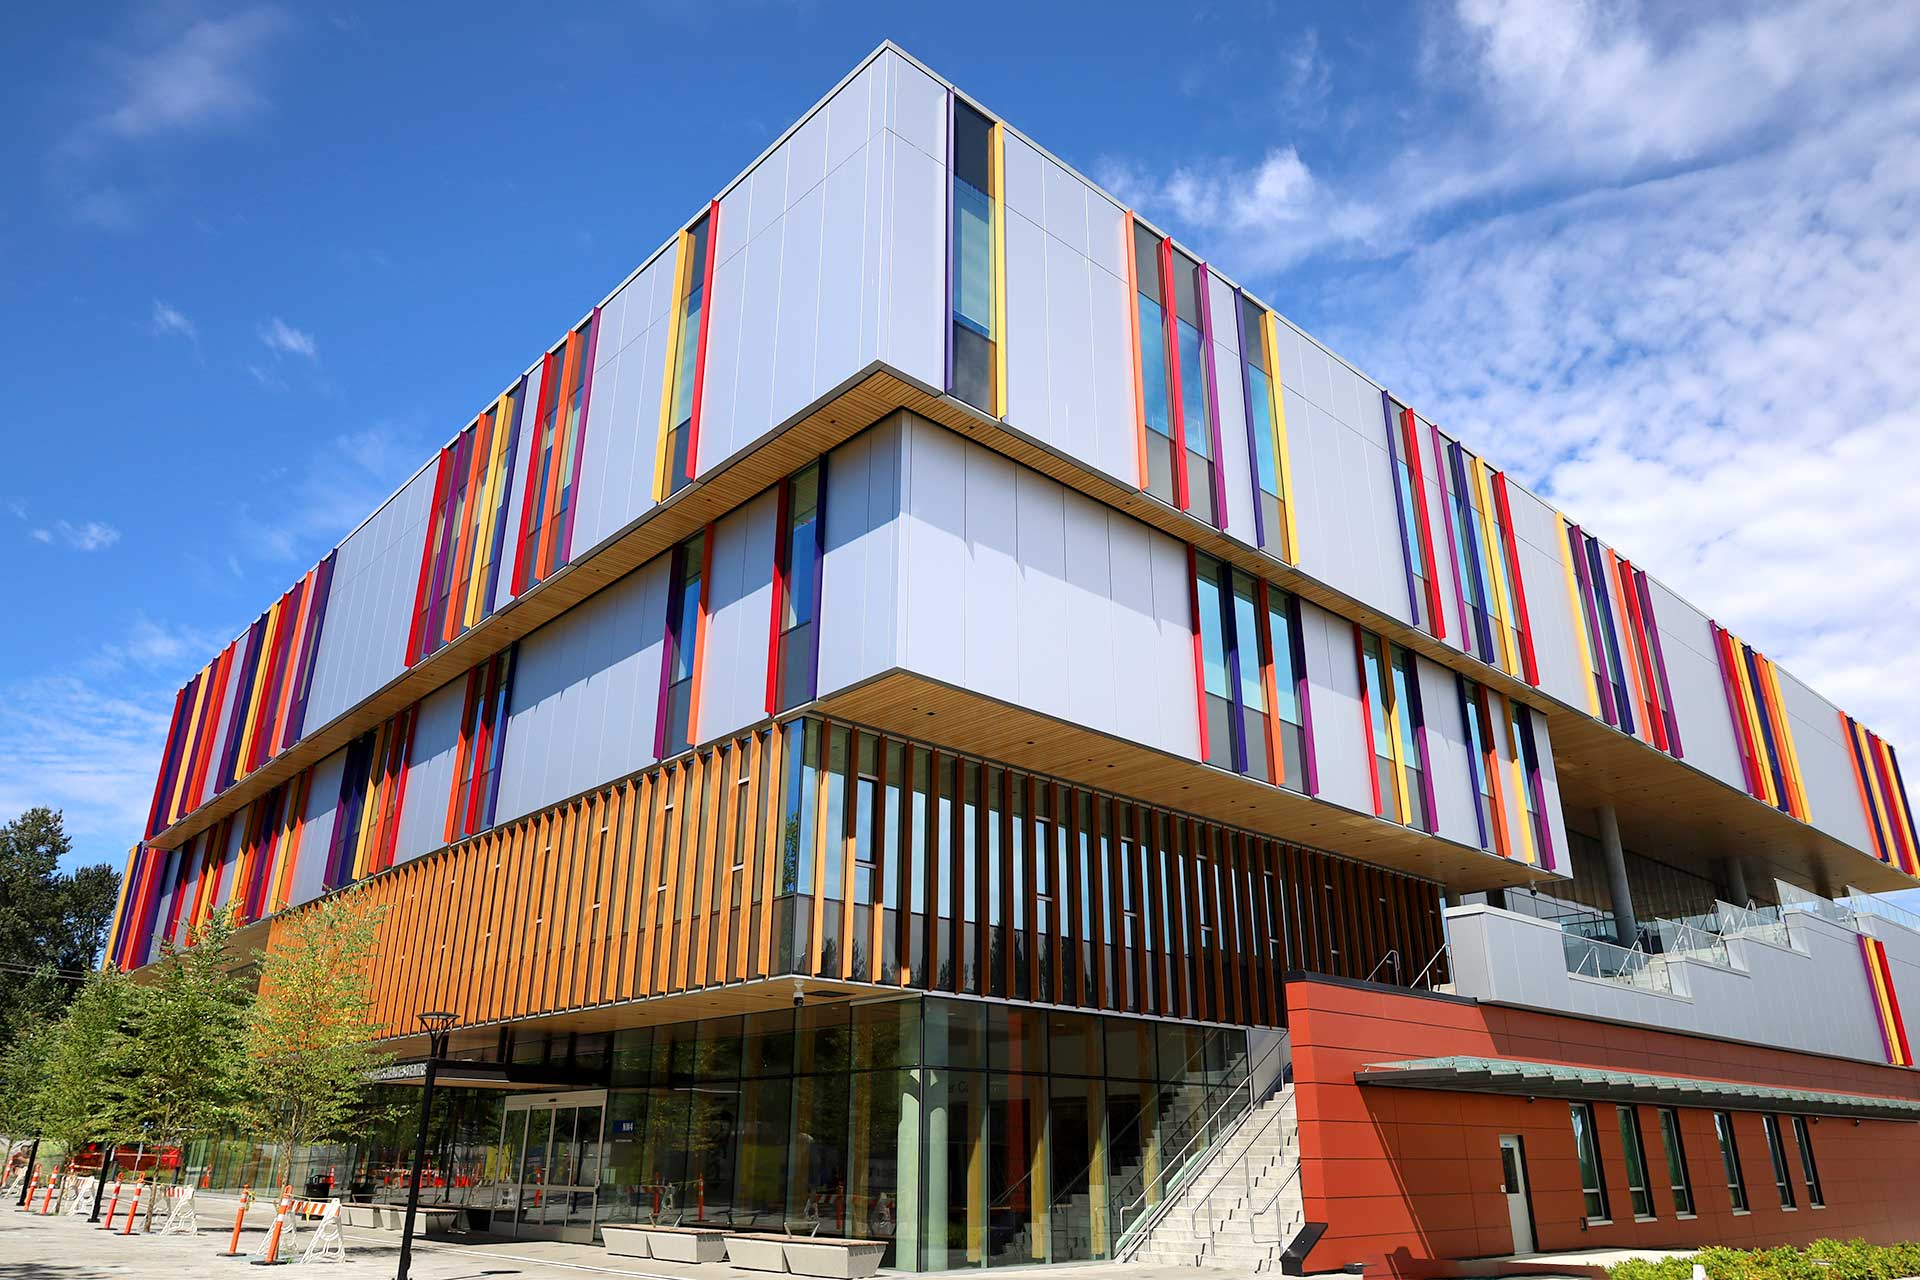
436	1024
112	1154
26	1175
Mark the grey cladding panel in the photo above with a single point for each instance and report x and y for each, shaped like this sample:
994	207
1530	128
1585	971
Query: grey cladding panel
859	579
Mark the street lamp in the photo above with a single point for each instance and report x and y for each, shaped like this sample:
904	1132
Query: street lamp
436	1022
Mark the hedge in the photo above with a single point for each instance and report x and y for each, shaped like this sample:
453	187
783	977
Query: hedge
1821	1260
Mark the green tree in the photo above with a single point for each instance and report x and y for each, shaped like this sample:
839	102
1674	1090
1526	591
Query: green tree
23	1066
73	1103
176	1074
309	1049
52	924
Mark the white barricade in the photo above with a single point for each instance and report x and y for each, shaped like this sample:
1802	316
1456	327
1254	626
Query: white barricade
88	1192
329	1244
182	1220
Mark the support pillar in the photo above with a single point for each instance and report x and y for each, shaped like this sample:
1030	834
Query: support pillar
1737	891
1626	930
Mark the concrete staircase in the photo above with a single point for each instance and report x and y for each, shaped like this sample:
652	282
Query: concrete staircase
1241	1206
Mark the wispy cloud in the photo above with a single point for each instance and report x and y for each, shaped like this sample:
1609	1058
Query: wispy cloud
159	80
91	535
168	322
206	74
1661	263
1528	102
86	738
282	338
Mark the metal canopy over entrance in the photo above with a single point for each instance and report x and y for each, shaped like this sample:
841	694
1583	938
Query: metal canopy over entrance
1552	1080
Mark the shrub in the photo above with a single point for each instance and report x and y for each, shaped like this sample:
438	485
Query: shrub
1821	1260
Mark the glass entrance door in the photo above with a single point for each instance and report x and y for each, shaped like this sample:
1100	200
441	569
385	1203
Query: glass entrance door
553	1143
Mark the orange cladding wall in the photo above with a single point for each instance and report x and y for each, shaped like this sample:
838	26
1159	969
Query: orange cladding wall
1410	1174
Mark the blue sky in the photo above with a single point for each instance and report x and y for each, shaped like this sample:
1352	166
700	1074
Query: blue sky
260	261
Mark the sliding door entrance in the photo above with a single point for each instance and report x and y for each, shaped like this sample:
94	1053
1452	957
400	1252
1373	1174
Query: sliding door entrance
551	1144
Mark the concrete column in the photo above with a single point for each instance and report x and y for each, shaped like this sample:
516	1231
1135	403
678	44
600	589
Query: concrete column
1737	891
1626	930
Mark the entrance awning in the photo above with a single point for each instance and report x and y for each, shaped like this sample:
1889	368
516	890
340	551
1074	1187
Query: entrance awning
1553	1080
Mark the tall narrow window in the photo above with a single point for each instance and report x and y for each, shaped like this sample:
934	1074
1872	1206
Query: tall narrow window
1635	1154
1777	1156
680	407
1416	532
1285	651
1249	671
1482	765
1403	491
1808	1170
1266	427
1163	472
686	606
1213	622
791	669
1190	377
483	725
1586	1144
1475	571
1678	1180
1730	1160
1390	695
976	255
1407	727
544	520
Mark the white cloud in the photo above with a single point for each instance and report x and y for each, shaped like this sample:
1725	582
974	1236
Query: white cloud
90	535
1716	372
1523	100
1677	289
73	745
157	79
169	322
282	338
206	74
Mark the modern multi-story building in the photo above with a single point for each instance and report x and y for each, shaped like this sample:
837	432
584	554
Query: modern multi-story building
932	711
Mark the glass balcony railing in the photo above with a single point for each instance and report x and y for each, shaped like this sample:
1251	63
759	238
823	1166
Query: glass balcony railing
1629	966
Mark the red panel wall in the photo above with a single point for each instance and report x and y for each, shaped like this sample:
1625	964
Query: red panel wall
1402	1174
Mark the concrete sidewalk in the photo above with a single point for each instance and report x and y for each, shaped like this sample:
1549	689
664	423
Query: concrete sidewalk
59	1248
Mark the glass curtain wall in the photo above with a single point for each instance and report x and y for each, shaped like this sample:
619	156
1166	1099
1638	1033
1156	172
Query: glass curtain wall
962	1133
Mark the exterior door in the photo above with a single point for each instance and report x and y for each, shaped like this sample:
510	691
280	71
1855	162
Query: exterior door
1513	1178
557	1197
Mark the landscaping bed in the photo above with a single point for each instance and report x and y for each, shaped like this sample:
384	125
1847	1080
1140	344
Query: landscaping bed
1821	1260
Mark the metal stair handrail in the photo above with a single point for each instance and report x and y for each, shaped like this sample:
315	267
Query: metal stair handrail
1206	1197
1446	948
1130	1237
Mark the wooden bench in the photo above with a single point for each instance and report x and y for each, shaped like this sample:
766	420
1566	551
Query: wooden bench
826	1256
669	1244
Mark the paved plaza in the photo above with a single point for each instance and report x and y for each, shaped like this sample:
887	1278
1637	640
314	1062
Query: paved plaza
33	1247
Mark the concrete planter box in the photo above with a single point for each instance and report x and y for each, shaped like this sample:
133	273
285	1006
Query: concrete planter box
436	1221
837	1259
686	1244
625	1242
757	1253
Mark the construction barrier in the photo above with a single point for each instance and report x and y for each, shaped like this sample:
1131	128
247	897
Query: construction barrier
181	1218
84	1197
239	1220
329	1244
112	1205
